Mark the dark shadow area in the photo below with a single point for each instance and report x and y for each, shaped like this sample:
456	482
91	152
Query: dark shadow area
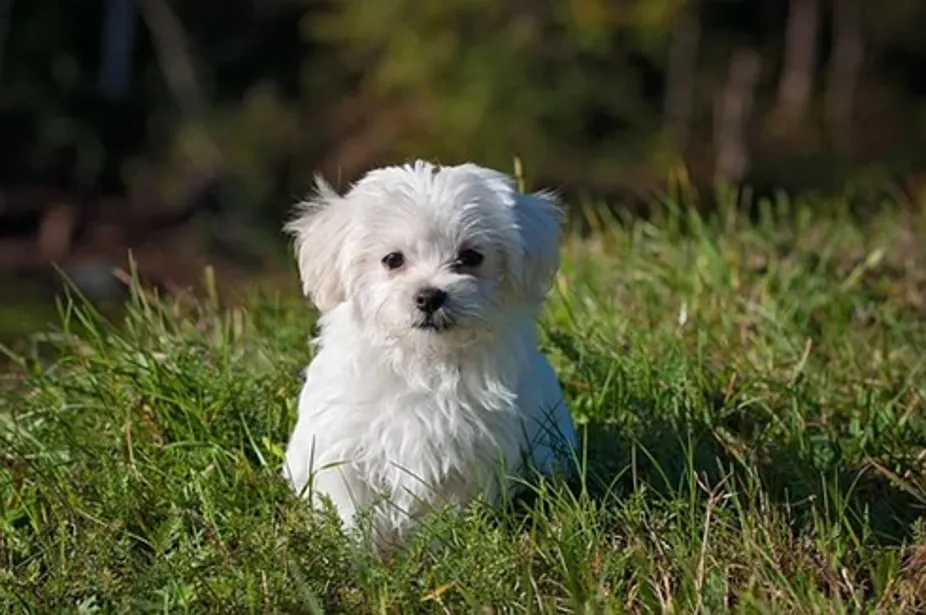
800	476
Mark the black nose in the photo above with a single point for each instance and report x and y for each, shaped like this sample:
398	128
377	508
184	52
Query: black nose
430	299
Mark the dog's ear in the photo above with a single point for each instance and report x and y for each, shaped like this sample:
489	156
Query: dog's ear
538	218
320	231
534	255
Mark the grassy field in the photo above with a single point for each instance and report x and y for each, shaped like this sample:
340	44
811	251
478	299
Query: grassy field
751	393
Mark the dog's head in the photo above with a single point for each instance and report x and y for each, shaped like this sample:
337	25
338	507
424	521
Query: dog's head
440	252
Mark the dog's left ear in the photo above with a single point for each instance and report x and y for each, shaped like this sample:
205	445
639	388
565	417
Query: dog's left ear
320	230
538	218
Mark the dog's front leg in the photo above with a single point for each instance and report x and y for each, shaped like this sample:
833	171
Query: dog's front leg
346	492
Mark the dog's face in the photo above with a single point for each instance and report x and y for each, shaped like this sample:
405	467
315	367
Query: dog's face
428	251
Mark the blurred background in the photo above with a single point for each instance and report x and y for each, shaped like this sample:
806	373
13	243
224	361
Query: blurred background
184	131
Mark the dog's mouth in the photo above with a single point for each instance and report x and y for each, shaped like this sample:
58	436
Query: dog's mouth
436	322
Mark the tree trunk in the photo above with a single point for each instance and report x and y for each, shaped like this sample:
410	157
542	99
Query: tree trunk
6	9
118	43
845	66
174	57
733	117
800	56
682	73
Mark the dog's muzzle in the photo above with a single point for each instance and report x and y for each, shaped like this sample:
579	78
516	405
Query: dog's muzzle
432	314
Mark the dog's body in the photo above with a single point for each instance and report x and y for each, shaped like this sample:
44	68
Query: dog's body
428	388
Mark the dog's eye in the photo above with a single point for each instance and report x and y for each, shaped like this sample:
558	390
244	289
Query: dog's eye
468	258
393	260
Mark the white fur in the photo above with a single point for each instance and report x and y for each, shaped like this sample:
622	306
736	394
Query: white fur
401	420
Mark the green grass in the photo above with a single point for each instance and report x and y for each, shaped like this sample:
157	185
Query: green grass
751	392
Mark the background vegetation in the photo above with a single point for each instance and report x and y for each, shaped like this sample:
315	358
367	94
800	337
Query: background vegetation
184	131
598	96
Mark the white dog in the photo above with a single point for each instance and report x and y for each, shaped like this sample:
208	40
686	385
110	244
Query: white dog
427	388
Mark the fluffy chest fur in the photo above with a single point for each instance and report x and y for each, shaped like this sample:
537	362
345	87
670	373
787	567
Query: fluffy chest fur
408	433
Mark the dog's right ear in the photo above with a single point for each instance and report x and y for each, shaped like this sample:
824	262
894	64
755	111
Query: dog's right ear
319	230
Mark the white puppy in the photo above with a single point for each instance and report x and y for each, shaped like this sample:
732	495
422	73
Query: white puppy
427	388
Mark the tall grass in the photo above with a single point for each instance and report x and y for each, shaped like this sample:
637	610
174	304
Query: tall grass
750	392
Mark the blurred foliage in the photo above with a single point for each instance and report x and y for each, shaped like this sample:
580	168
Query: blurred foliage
552	80
575	87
